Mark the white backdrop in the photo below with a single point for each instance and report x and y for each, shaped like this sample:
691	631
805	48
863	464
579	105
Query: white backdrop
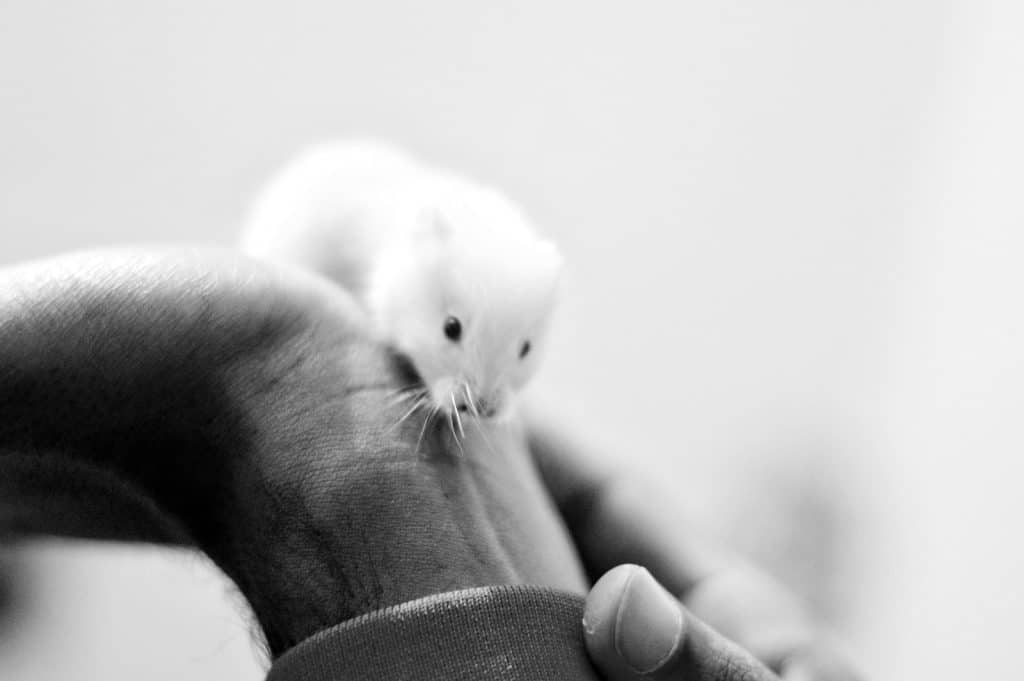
792	229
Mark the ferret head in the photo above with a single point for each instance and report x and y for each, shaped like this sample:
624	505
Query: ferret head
470	306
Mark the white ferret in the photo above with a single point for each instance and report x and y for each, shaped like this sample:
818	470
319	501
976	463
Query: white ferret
452	274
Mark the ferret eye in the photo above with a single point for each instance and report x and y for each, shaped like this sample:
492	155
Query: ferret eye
453	329
524	349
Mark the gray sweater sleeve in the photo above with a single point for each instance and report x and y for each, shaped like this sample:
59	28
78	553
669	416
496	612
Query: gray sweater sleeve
506	633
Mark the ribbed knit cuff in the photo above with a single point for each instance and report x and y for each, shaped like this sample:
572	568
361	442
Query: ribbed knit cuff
504	633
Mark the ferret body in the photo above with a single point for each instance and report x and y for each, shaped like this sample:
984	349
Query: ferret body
452	273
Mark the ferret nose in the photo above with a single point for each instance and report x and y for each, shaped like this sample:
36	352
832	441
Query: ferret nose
486	408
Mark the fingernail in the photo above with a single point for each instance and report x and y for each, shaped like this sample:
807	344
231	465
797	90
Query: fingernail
648	625
604	599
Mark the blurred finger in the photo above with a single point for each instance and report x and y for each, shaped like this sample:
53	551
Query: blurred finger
634	629
818	663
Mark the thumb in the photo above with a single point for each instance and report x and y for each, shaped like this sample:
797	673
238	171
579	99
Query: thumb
634	629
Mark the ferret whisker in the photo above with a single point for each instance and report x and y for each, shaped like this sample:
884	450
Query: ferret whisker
455	436
416	405
405	394
471	401
426	421
456	417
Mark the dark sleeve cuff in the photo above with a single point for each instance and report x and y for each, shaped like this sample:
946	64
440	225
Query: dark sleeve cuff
505	633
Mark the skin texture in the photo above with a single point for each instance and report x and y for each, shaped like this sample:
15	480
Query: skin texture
196	397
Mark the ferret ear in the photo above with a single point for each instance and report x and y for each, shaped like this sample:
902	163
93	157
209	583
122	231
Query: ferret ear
434	226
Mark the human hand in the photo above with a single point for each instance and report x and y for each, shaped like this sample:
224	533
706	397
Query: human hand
635	629
199	397
617	519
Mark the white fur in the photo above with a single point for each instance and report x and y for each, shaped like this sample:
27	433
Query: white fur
417	245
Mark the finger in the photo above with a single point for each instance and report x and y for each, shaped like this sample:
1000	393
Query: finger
634	629
761	616
615	518
819	663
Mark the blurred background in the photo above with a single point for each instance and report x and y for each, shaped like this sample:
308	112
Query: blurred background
794	234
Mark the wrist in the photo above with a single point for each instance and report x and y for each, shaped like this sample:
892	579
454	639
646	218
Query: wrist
356	525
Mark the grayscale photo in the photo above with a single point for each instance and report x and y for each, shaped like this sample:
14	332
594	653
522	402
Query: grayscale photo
514	341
